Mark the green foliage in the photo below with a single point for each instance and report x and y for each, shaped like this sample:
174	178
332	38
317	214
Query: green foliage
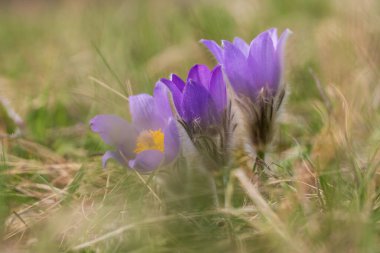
6	120
4	199
212	22
43	118
311	8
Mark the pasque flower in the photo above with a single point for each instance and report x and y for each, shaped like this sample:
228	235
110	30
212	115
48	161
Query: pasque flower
202	99
255	73
151	139
203	110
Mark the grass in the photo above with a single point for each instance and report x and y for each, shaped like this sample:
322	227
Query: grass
54	195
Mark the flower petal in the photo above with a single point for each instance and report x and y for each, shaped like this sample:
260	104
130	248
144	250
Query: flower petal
236	69
197	105
282	41
262	62
200	74
144	113
177	81
116	132
171	141
279	57
147	161
113	155
161	99
218	90
215	49
176	94
242	45
280	47
273	34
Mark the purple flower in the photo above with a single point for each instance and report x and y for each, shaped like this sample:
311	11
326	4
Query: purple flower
252	68
255	73
204	112
202	100
151	139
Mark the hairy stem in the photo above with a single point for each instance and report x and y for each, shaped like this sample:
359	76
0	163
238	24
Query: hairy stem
259	166
214	190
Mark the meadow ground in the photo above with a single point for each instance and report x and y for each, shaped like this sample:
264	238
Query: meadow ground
323	196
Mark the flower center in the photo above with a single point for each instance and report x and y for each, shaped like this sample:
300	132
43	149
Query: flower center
150	139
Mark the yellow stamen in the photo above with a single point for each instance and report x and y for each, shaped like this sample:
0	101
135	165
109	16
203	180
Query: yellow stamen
150	139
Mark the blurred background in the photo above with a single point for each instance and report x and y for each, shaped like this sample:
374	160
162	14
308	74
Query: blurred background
51	51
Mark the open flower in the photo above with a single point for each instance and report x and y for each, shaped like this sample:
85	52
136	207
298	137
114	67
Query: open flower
203	110
151	139
255	73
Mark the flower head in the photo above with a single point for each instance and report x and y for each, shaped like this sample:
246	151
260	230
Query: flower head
203	109
255	73
251	68
202	99
151	139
